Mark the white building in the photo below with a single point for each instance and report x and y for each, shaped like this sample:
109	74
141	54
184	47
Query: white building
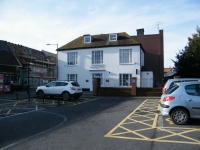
112	58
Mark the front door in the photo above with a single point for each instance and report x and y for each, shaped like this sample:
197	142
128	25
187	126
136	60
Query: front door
98	77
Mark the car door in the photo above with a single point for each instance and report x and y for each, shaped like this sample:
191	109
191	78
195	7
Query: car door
60	87
49	89
191	94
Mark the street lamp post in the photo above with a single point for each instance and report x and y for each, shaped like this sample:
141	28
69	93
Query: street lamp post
57	60
53	44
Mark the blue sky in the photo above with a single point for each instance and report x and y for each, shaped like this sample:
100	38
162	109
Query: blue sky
38	22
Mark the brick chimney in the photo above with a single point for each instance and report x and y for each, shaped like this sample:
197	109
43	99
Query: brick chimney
140	31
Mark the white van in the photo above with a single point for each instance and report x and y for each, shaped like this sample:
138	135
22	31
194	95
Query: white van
171	82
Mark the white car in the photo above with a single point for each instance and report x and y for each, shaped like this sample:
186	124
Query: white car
171	82
66	89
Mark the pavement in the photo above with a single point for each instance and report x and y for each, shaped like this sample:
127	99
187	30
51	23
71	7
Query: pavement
24	94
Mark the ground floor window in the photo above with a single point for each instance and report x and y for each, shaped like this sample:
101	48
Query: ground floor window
72	77
125	79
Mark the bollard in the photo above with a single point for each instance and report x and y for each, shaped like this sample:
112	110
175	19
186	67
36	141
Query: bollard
36	106
29	97
28	92
58	100
43	99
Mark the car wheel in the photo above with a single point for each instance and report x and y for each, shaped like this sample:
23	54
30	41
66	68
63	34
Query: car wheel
76	97
66	96
40	94
179	116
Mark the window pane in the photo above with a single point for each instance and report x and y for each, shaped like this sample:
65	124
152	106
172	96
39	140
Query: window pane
125	79
190	89
97	57
52	84
125	56
72	58
87	39
72	77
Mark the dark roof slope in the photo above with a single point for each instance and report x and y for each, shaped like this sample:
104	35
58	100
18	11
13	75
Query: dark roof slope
50	56
145	69
7	58
38	55
101	40
49	53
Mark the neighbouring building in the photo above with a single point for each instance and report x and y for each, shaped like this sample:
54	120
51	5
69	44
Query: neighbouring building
111	58
153	45
37	66
8	65
169	73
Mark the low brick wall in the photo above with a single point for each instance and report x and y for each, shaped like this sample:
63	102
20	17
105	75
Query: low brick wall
109	91
149	91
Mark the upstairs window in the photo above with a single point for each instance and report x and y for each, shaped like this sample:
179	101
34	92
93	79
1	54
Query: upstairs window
72	58
87	39
113	37
97	57
125	56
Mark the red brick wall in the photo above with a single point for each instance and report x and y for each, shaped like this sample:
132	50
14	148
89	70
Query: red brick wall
109	91
154	52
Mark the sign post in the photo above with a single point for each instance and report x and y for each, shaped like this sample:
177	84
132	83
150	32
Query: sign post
1	83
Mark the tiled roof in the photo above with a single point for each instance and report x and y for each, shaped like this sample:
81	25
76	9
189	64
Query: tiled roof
7	57
101	40
50	56
38	55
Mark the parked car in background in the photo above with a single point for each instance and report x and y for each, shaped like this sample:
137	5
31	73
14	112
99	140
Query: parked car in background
66	89
171	82
181	102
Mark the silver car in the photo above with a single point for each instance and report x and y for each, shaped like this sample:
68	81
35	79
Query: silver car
181	102
171	82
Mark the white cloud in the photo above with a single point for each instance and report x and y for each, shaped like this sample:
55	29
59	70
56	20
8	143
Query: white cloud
36	23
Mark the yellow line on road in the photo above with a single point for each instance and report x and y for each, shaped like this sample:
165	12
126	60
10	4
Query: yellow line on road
155	121
11	109
109	133
180	133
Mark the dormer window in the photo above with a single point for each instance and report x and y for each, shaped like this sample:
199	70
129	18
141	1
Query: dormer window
113	37
87	39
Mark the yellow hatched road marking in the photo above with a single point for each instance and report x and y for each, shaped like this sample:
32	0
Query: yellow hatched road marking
10	109
150	115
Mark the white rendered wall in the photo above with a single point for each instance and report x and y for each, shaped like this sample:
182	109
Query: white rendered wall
110	69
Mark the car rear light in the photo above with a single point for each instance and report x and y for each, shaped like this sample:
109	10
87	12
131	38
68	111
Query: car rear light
164	90
168	98
72	88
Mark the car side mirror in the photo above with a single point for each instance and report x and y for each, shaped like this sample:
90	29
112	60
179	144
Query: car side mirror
47	85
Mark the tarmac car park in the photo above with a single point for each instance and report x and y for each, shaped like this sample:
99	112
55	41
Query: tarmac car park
120	121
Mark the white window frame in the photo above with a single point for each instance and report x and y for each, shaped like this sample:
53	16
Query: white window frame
97	57
72	77
72	58
87	39
125	56
112	37
125	79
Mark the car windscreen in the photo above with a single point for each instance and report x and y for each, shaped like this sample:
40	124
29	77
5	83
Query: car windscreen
172	89
75	84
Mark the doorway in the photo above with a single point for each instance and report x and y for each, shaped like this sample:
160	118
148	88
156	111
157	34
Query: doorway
98	77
